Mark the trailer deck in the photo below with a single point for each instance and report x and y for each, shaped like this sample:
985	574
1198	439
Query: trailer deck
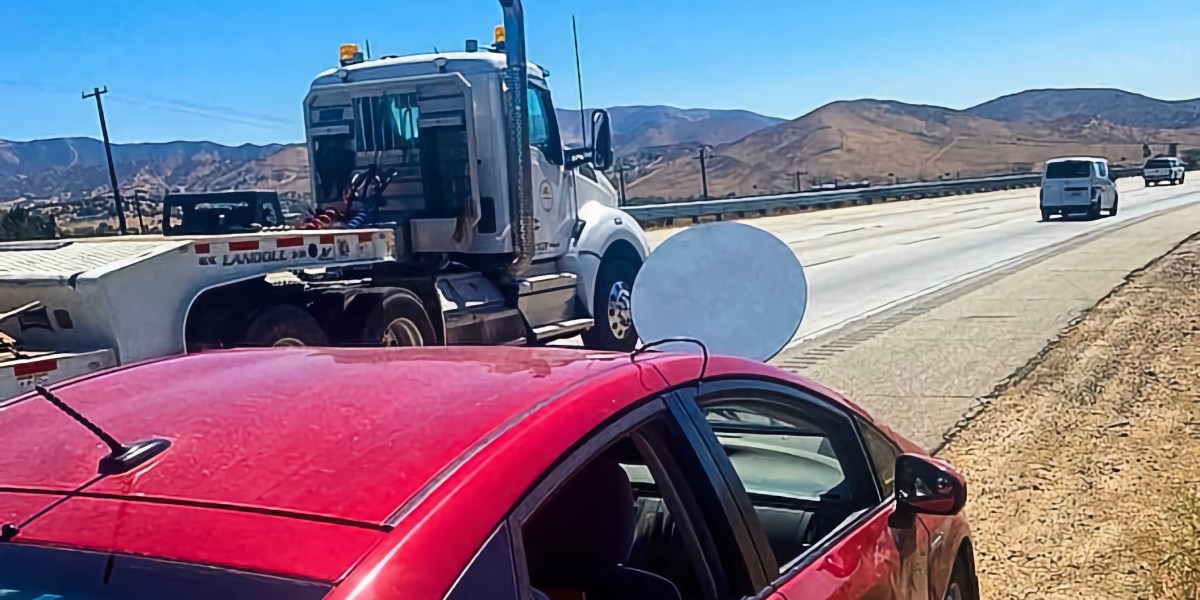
102	302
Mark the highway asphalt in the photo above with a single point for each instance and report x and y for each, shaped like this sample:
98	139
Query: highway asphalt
862	260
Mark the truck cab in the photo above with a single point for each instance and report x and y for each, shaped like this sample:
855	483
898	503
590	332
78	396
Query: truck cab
432	137
449	212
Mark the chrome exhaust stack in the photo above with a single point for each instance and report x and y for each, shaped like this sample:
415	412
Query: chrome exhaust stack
520	159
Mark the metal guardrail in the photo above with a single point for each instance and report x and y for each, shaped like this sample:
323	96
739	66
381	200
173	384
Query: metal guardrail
665	215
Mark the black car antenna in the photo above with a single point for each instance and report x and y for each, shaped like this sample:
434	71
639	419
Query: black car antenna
121	458
673	340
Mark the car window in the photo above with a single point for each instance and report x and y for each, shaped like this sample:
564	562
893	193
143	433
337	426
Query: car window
1068	169
491	573
776	454
387	122
635	518
1102	169
1159	164
36	573
883	453
795	462
587	171
543	127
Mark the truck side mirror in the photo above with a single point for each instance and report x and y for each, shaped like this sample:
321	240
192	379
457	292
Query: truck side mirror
602	149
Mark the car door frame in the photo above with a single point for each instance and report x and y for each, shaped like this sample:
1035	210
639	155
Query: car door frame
708	488
862	470
552	224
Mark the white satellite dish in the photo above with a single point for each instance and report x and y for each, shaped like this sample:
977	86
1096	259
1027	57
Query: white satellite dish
738	289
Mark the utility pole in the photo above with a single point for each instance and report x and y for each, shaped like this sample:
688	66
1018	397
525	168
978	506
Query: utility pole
112	170
621	180
703	154
797	182
138	196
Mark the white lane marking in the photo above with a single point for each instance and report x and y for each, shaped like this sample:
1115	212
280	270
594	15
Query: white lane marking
936	237
825	262
845	231
923	292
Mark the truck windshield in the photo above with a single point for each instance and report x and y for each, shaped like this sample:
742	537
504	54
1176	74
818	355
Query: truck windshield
1158	164
36	573
1068	169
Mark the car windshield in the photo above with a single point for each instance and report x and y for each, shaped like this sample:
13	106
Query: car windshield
36	573
1068	169
1159	164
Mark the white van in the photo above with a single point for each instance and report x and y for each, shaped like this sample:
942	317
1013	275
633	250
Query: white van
1078	185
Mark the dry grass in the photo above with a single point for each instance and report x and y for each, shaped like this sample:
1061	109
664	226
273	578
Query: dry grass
1180	574
1084	473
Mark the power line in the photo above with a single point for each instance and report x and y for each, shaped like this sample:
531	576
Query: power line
214	113
190	107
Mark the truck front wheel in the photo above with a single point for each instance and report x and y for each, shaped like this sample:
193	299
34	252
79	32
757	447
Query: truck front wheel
399	320
612	327
284	325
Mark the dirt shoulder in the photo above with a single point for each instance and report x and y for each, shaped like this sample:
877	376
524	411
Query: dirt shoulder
1084	474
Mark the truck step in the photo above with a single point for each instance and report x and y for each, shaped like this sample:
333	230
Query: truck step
544	283
548	299
497	325
561	329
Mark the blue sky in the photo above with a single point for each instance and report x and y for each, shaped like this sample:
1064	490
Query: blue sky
235	71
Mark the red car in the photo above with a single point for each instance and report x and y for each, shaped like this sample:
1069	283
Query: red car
468	473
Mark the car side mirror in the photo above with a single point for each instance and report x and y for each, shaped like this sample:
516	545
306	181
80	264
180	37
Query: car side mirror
602	148
928	485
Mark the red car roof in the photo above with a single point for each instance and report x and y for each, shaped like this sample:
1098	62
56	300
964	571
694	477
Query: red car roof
292	461
290	431
298	433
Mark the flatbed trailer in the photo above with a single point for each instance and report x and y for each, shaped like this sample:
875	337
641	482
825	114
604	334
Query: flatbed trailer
95	303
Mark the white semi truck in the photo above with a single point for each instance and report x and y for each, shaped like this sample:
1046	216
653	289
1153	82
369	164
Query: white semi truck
450	213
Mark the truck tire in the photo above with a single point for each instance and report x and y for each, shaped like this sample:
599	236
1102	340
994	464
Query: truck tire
284	325
612	328
399	320
1112	212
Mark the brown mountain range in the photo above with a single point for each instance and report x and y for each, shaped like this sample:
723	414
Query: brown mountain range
884	141
881	141
1115	106
66	168
639	127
